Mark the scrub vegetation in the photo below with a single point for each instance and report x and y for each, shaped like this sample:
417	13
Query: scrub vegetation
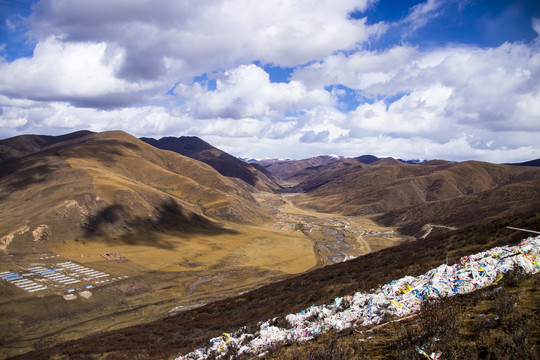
193	328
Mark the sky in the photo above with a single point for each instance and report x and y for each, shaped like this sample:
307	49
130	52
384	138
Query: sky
436	79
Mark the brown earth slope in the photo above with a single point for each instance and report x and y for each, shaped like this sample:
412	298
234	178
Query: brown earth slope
112	183
296	171
189	330
410	196
23	145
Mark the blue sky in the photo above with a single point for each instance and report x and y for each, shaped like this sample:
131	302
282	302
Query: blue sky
454	79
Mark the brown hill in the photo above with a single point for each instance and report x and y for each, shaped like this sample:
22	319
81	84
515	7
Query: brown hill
111	183
411	196
225	164
191	329
295	171
23	145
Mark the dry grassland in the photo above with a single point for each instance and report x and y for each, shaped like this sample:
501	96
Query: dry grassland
289	253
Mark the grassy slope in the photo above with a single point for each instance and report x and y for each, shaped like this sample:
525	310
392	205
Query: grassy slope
114	183
109	192
410	196
225	164
191	329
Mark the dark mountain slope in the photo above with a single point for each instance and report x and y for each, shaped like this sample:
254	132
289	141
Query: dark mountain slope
367	159
535	162
225	164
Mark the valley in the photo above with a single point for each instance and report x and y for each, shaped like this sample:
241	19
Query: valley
174	272
104	233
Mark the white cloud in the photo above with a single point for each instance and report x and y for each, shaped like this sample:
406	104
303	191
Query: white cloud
359	70
101	70
492	89
59	118
422	113
82	73
246	92
321	131
536	25
420	15
202	36
103	54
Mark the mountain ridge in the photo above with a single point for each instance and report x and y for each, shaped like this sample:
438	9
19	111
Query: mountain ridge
225	164
391	190
69	193
97	176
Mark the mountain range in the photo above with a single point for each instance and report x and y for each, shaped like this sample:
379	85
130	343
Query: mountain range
227	242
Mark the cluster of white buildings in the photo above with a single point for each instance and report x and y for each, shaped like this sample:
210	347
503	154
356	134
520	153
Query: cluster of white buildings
22	281
39	277
79	270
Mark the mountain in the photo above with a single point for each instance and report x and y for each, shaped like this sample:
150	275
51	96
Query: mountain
298	171
225	164
19	146
111	184
295	171
367	159
410	196
535	162
190	236
182	333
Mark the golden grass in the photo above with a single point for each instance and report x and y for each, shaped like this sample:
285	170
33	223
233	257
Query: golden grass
289	253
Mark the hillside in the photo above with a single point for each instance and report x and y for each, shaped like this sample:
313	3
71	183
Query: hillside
188	253
535	162
295	171
149	231
182	333
225	164
410	196
112	183
23	145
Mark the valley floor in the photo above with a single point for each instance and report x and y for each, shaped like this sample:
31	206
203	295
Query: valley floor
166	273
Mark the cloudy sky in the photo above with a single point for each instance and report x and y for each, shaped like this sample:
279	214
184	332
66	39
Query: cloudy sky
451	79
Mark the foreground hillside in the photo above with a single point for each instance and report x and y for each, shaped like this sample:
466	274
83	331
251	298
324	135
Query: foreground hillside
189	330
498	322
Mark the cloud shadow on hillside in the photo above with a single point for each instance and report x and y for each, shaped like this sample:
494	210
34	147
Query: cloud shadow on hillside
19	174
115	225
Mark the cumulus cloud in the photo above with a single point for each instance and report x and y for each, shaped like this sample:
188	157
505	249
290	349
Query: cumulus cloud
491	89
246	92
105	54
81	73
197	36
132	67
59	118
421	113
